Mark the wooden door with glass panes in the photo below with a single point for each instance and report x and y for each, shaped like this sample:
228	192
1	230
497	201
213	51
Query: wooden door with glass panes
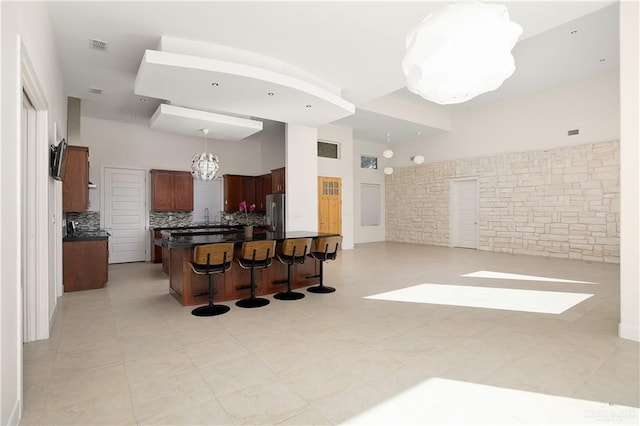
330	205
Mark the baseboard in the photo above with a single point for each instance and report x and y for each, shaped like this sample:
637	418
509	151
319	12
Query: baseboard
630	332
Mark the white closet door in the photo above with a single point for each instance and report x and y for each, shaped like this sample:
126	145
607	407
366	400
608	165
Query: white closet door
124	214
464	213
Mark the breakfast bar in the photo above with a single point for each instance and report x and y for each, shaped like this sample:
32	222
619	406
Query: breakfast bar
192	289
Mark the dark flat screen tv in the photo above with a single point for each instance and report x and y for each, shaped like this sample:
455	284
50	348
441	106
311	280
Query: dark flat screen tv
56	159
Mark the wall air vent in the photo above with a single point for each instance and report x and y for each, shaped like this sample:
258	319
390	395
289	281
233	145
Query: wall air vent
97	44
95	90
573	132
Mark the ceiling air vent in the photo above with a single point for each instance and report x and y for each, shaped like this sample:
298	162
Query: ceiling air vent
573	132
95	90
97	44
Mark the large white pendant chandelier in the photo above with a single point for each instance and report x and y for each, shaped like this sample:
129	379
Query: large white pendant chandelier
204	166
460	51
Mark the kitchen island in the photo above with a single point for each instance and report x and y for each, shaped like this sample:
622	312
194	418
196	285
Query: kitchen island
191	289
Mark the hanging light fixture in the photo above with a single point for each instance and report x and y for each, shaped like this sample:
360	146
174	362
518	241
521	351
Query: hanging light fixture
387	153
204	166
460	52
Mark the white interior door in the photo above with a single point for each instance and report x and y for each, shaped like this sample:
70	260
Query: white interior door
464	213
124	214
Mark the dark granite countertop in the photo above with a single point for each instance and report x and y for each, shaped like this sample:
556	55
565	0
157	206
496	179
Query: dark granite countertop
236	237
87	236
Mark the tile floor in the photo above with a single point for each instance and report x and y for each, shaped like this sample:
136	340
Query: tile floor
130	354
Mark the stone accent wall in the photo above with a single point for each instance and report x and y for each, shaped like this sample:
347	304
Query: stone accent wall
561	203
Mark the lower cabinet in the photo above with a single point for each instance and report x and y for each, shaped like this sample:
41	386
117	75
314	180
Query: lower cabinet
85	264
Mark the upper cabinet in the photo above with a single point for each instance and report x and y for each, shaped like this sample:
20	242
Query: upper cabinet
75	182
233	188
171	191
277	181
263	188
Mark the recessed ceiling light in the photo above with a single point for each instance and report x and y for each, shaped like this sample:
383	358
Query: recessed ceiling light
419	132
133	117
142	100
308	106
574	32
214	84
270	93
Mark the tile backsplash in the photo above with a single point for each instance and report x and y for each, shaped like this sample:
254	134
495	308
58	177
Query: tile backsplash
87	221
90	220
159	219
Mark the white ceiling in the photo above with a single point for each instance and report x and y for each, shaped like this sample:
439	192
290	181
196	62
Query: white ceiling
354	46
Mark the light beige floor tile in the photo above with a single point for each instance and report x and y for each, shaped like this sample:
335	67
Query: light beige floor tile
267	402
309	418
215	349
233	375
158	366
205	413
163	397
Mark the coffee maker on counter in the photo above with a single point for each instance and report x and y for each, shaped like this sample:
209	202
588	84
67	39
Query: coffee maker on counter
72	227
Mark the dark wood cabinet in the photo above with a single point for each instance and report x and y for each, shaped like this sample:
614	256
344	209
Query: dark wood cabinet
233	188
263	188
171	191
75	182
85	264
278	181
249	190
156	250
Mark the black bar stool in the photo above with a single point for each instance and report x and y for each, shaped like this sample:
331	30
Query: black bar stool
326	248
255	254
211	259
294	250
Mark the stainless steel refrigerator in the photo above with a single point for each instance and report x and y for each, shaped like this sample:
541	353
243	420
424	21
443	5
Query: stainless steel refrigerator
275	212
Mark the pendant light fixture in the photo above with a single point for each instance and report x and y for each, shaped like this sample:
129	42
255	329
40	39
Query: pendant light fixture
204	166
460	51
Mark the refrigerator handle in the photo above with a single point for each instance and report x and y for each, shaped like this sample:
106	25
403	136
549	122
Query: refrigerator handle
272	216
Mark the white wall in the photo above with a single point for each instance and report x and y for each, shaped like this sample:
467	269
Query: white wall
527	123
342	168
629	326
367	234
23	26
301	177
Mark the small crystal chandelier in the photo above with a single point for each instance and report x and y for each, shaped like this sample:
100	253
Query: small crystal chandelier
204	166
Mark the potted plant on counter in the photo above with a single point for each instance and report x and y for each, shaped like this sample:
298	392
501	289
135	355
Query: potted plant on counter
248	228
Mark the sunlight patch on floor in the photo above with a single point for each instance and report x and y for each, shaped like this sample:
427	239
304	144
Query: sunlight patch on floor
547	302
507	276
443	401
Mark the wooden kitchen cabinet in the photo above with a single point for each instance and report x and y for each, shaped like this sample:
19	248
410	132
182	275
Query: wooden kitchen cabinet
233	189
249	190
75	181
263	188
171	191
85	264
278	181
